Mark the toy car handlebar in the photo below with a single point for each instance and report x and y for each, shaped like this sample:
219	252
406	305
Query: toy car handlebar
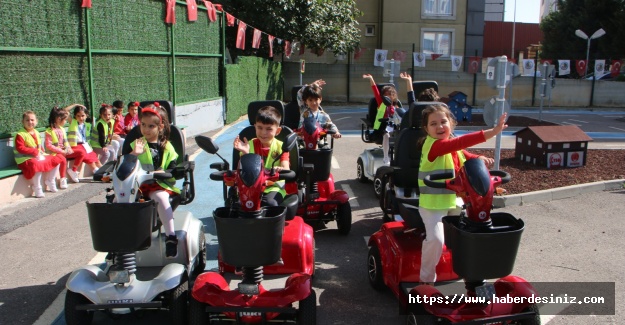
429	179
218	176
505	176
161	175
287	175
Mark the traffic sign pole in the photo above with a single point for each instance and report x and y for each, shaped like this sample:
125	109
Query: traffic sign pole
502	79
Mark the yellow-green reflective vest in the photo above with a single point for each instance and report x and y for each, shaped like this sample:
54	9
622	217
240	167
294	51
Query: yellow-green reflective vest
274	151
436	198
378	116
95	138
29	141
72	132
55	139
169	155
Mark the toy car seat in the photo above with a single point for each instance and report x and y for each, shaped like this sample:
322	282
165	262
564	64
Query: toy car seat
291	110
367	134
290	201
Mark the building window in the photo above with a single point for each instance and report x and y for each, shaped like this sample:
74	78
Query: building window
438	9
566	145
370	30
437	41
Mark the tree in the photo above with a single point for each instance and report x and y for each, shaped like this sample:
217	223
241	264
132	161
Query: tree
559	28
316	24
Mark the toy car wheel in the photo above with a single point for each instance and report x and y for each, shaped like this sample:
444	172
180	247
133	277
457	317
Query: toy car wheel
360	171
344	218
415	317
201	255
378	186
307	311
374	268
177	301
73	316
197	312
535	320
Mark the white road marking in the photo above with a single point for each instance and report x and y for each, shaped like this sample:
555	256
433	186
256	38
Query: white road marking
56	308
568	123
335	163
578	121
353	202
341	118
612	127
554	309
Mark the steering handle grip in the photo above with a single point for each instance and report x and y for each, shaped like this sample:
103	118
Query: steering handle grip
161	175
218	176
287	175
505	176
429	179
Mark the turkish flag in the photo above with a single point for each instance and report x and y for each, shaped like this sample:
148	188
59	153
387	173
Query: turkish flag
616	68
399	55
86	4
218	7
230	19
256	38
474	64
241	35
359	53
548	61
580	67
210	11
287	49
170	16
270	39
435	56
192	10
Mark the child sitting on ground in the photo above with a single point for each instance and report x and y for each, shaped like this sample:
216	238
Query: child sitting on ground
269	148
31	159
78	136
56	141
309	99
155	149
442	152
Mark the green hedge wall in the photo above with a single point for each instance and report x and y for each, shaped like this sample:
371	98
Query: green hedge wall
39	79
249	80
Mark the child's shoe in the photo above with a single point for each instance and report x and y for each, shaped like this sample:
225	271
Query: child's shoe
38	192
171	246
51	184
63	183
73	175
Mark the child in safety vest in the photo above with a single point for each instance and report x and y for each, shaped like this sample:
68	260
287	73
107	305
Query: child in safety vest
155	152
31	159
103	140
78	136
384	112
56	141
269	148
309	100
441	152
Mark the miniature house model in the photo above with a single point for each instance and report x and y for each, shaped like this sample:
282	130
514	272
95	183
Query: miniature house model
457	103
552	146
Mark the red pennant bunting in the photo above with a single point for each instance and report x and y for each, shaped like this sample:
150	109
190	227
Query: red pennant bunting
218	7
241	35
192	10
616	68
86	4
580	67
170	16
512	60
256	38
435	56
287	49
359	53
270	38
399	56
474	64
230	19
210	11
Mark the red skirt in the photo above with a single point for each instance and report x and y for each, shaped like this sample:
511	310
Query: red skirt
32	166
146	189
79	150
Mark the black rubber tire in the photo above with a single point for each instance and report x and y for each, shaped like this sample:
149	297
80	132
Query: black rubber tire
360	171
201	262
197	312
73	316
414	318
530	321
374	268
344	218
378	186
177	301
307	311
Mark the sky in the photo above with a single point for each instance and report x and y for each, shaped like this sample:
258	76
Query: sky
527	11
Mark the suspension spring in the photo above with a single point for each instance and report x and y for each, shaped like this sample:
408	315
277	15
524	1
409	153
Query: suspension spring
252	275
128	261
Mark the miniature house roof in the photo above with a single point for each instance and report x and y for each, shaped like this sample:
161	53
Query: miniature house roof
457	93
557	133
445	100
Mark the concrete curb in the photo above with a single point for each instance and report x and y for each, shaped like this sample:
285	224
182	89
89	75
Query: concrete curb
557	193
